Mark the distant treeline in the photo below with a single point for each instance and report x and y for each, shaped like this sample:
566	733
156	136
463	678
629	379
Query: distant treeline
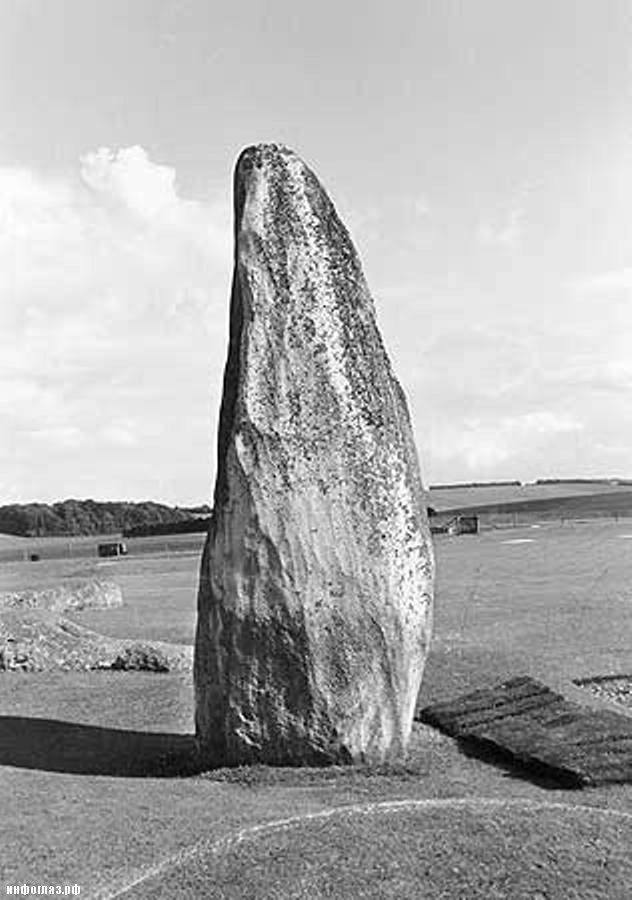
188	526
583	481
473	484
77	517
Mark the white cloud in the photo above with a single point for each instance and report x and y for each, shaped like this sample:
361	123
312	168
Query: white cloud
129	176
503	232
120	432
113	326
506	228
485	444
73	261
615	279
114	294
421	206
65	437
594	375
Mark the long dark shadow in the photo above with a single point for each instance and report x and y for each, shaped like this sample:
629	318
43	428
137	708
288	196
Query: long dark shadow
51	745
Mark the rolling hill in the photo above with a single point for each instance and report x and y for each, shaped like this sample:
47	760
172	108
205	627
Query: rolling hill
590	505
457	497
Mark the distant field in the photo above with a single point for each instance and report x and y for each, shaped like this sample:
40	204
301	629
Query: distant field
10	540
452	498
159	592
611	504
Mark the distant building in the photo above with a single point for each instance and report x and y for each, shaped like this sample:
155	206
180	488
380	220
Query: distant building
112	548
463	524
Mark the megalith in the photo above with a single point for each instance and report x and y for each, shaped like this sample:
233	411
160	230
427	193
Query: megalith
316	582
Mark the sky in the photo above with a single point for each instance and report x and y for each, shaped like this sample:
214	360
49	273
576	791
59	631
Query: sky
480	153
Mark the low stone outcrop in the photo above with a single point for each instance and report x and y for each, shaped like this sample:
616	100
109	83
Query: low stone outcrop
315	598
36	640
73	594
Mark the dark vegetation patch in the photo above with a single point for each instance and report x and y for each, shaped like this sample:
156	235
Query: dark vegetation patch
459	485
141	658
525	721
195	525
75	517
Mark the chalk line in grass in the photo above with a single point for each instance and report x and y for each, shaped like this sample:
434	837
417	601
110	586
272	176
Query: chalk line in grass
519	541
132	879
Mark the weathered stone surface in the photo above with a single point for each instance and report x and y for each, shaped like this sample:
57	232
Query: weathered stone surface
315	597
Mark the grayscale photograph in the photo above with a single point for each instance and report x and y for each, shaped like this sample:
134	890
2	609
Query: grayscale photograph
316	449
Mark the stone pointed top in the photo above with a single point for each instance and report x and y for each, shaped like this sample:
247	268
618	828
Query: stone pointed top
259	155
274	159
285	218
271	151
271	163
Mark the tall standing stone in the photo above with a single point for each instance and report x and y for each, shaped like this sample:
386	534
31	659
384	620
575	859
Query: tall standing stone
315	598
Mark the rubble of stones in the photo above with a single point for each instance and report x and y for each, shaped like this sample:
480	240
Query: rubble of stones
617	689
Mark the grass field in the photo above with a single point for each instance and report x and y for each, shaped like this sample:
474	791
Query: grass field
553	602
588	506
486	495
510	506
159	592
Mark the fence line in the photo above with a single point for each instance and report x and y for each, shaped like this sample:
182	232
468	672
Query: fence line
86	547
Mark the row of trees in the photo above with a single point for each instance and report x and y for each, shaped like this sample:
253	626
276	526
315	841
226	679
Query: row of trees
624	481
473	484
77	517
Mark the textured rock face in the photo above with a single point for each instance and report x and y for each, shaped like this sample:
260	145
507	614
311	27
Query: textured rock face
315	600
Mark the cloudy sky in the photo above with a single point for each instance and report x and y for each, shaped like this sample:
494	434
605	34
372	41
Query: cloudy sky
480	152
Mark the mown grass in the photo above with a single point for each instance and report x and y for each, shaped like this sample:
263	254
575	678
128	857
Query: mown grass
159	592
415	849
484	495
89	805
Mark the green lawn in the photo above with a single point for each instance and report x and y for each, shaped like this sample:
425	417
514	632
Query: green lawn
454	497
73	747
159	592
